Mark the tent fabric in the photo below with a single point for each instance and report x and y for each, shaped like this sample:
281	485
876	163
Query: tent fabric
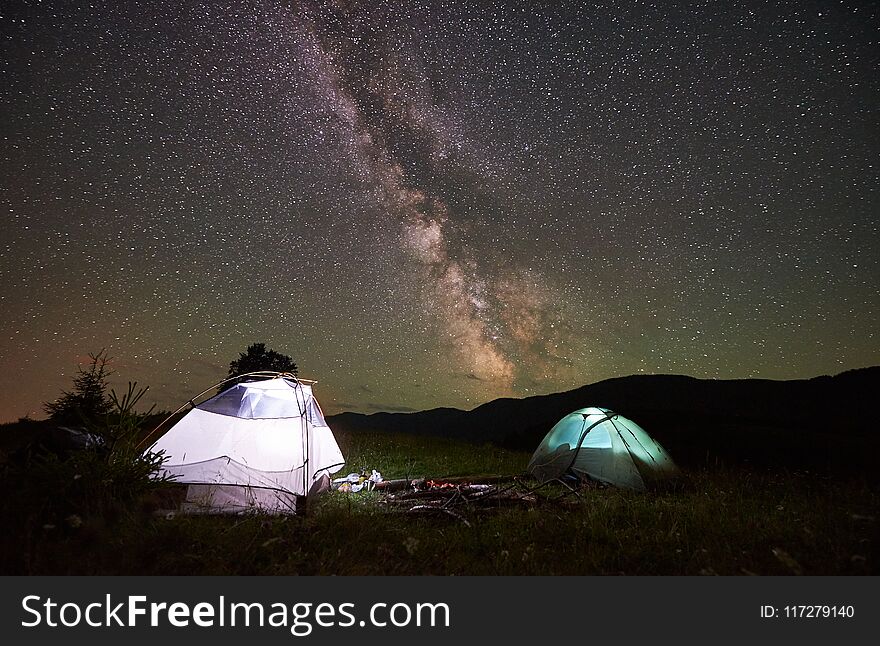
257	445
226	499
269	399
602	445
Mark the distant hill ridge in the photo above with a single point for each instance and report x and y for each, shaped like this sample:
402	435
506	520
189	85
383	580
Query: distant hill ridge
689	415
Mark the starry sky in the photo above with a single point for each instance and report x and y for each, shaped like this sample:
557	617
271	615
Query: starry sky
436	203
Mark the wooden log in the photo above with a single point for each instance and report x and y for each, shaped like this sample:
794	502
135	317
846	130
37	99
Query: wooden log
477	479
399	485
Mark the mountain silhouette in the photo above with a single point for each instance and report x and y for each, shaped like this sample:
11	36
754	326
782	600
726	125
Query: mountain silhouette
807	423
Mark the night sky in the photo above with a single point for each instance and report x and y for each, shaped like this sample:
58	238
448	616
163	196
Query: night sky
436	203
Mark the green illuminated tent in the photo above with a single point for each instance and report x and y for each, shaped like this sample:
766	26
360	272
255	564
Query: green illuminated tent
602	445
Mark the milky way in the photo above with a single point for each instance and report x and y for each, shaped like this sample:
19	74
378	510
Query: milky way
432	204
391	100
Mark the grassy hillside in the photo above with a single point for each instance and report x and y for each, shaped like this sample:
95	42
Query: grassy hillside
713	521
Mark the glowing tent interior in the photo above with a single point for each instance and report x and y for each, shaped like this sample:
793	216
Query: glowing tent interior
602	445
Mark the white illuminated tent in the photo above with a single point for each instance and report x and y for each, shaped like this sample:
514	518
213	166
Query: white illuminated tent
257	446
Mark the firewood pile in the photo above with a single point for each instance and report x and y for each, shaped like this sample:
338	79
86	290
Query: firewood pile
454	496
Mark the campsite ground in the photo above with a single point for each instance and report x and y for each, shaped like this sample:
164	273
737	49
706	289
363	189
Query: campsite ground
715	520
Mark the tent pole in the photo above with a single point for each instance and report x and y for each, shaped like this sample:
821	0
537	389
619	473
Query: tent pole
608	416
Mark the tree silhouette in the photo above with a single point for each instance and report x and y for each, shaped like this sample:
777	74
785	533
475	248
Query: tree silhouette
88	402
258	358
